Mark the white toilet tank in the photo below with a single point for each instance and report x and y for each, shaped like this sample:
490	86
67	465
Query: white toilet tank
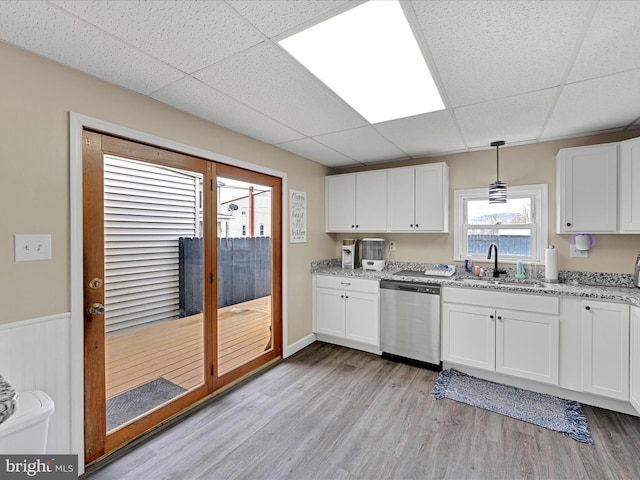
25	432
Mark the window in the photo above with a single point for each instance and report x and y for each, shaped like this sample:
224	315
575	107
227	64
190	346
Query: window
518	227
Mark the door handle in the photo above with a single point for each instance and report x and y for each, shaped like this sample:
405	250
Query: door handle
96	309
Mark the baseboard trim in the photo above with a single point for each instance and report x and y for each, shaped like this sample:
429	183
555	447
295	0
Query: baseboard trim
299	345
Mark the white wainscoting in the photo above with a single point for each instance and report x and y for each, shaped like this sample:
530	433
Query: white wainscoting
36	355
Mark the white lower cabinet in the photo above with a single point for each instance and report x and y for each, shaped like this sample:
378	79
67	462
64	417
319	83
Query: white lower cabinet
634	374
605	349
468	335
347	308
527	345
511	333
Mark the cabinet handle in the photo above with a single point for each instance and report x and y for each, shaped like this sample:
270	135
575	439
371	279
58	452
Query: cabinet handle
411	225
353	226
345	283
341	296
346	296
357	226
568	224
417	225
499	318
491	317
587	307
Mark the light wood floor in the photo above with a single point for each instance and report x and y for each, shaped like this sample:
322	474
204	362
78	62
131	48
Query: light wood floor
330	412
174	350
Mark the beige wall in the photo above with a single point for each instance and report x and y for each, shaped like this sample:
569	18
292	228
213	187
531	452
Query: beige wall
519	165
35	100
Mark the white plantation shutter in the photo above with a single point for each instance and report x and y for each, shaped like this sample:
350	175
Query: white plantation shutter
146	209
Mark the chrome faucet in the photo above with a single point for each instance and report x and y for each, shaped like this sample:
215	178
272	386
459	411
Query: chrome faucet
496	272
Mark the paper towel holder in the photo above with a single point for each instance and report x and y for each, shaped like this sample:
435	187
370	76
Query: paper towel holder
583	242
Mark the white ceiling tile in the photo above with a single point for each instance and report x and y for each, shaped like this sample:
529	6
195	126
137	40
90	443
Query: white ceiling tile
485	50
427	134
514	119
596	105
194	97
267	79
309	148
189	35
362	144
275	17
612	41
64	38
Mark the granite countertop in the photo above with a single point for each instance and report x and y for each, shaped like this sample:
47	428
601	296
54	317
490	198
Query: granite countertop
8	399
616	292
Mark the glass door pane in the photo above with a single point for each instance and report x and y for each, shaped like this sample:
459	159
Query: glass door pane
244	279
153	281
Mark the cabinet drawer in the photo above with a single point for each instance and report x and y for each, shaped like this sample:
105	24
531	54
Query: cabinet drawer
513	301
348	283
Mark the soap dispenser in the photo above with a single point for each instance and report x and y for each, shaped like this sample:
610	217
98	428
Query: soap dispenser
520	273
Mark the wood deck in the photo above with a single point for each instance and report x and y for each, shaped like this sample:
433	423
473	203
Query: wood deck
174	349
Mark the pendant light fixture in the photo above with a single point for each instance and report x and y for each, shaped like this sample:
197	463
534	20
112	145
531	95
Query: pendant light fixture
498	190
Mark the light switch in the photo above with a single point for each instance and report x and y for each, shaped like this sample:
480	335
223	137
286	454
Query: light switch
32	247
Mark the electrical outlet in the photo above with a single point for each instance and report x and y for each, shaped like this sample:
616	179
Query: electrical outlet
575	253
392	246
32	247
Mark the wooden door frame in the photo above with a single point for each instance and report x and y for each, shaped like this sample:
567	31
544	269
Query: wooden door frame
277	321
77	123
98	442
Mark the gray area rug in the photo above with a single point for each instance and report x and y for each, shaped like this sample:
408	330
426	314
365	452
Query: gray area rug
564	416
132	403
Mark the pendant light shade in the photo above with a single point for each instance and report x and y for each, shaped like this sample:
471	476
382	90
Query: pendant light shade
498	189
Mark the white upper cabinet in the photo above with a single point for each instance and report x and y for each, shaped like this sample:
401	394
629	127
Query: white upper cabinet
356	202
629	177
418	198
587	189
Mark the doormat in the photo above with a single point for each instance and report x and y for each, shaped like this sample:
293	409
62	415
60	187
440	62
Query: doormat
564	416
133	403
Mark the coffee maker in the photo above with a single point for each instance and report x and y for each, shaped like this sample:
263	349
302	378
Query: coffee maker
350	253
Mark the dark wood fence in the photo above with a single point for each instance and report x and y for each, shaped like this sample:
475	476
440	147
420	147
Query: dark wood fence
244	271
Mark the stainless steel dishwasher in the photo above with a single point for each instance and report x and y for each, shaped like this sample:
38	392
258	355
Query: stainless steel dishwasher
410	322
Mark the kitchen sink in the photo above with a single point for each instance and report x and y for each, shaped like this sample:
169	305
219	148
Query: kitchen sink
497	281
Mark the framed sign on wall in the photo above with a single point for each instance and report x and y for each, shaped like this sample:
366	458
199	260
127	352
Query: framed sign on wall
297	216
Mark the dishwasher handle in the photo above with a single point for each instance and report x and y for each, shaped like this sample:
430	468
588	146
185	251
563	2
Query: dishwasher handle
411	287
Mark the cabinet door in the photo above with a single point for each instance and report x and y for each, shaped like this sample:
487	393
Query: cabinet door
432	198
587	189
371	201
634	393
605	349
330	312
629	186
340	203
401	199
362	317
468	335
527	345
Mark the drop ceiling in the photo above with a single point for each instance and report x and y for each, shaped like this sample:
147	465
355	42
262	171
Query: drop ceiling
519	71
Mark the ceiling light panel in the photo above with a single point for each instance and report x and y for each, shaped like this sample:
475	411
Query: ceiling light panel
370	58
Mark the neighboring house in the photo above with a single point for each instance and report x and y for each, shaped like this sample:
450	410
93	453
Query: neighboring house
236	222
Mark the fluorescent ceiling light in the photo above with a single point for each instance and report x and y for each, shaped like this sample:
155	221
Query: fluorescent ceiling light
369	57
